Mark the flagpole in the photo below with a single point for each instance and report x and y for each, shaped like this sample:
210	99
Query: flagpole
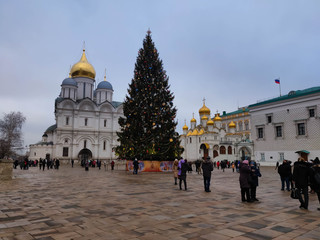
280	86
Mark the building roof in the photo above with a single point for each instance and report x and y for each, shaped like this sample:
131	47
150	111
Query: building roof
116	104
240	110
51	128
104	85
69	81
290	95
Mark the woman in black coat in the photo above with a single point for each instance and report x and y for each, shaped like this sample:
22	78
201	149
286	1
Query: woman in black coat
301	174
245	172
315	170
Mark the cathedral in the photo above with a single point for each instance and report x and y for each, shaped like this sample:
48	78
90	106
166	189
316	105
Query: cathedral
225	137
86	119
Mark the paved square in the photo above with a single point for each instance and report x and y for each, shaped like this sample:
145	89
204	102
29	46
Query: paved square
70	203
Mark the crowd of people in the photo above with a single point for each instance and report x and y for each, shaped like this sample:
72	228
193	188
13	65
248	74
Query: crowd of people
305	175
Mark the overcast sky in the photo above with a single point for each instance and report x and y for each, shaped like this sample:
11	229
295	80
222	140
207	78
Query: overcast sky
228	52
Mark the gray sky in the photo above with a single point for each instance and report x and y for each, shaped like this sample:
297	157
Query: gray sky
228	52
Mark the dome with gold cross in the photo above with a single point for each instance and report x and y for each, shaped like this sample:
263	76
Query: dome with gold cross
204	109
83	68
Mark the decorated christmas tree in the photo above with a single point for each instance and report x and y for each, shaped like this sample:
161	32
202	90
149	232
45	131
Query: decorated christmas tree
147	132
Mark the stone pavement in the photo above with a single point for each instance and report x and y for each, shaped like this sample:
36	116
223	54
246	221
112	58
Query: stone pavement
70	203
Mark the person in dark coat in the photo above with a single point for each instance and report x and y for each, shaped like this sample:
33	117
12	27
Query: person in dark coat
315	170
284	171
57	163
301	174
183	168
255	174
245	172
207	168
135	166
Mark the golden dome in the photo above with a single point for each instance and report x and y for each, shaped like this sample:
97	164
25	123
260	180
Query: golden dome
201	131
195	132
185	127
217	117
204	117
232	125
204	110
193	120
210	122
83	68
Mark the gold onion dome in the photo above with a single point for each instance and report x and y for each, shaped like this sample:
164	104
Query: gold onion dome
210	122
195	132
204	110
217	117
232	125
193	120
185	127
83	68
204	117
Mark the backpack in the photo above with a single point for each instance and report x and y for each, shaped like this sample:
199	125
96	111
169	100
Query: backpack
317	177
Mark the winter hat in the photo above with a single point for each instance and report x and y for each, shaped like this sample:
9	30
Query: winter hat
245	162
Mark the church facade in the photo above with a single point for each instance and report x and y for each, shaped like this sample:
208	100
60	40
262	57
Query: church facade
225	137
86	119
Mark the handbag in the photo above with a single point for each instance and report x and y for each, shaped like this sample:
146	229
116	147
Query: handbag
294	193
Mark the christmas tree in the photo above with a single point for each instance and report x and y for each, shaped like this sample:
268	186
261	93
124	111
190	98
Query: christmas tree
148	130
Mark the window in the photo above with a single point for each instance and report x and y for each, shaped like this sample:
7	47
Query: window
311	112
301	129
229	150
65	152
262	156
35	154
105	123
278	131
86	121
281	156
67	120
240	126
85	144
190	140
104	145
222	150
269	118
246	125
260	132
199	140
66	140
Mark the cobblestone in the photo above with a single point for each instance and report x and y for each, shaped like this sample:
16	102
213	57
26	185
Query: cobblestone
70	203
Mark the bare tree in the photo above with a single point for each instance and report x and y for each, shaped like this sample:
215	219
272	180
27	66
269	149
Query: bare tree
10	133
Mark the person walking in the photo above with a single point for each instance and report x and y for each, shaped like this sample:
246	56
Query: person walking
207	168
183	168
112	165
245	172
301	174
284	171
314	179
57	163
72	162
135	166
255	174
175	171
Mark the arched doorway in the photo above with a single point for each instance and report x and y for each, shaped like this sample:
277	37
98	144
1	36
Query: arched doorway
84	155
215	151
244	153
205	148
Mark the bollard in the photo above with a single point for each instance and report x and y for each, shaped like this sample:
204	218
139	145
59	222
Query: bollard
6	166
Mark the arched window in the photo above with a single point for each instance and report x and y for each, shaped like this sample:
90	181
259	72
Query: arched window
246	125
85	144
222	150
240	126
229	150
104	145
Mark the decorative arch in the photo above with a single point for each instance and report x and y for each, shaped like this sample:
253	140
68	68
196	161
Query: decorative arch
85	155
230	150
205	147
87	105
222	150
106	107
245	153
